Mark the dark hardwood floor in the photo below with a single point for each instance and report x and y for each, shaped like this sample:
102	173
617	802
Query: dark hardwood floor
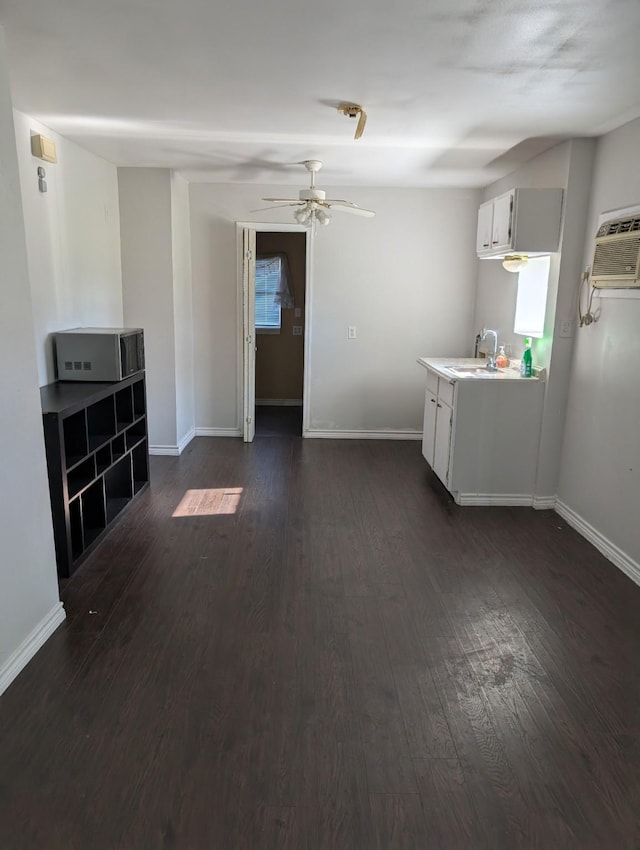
335	656
278	421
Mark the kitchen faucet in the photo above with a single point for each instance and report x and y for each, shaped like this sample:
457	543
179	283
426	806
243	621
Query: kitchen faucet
491	359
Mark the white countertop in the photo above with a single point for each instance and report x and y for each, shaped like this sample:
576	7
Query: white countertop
470	369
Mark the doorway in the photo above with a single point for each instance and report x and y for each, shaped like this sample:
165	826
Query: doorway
275	317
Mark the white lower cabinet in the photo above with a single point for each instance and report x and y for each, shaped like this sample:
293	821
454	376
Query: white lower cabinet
442	444
481	437
429	429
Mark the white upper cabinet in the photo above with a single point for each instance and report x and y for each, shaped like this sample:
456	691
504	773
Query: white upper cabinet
485	223
502	222
522	221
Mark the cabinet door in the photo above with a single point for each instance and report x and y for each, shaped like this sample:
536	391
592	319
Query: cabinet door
485	224
502	212
429	432
442	442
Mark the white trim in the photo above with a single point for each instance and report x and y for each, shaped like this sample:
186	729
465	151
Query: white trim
544	503
308	330
617	557
170	451
279	402
19	659
184	442
277	227
218	432
362	435
497	499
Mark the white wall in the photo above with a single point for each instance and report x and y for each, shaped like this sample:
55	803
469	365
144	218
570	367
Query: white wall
73	239
600	473
28	585
182	308
147	282
405	280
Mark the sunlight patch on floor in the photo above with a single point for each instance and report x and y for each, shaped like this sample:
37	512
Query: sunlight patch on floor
212	502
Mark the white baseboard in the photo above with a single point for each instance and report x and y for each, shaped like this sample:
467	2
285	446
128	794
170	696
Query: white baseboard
174	451
621	560
544	503
362	435
279	402
171	451
218	432
19	659
504	499
184	442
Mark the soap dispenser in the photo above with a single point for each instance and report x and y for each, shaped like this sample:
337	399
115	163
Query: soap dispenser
502	361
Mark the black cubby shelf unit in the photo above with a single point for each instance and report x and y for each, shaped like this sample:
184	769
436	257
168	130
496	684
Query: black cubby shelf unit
97	458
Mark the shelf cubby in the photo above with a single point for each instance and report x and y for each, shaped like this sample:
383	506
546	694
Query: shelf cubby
97	459
103	458
81	475
93	511
77	537
101	422
117	447
135	433
140	461
118	486
75	437
139	400
124	408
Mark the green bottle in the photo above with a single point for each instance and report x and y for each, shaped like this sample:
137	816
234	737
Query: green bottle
526	364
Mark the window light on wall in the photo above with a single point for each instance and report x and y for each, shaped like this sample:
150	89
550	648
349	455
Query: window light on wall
531	302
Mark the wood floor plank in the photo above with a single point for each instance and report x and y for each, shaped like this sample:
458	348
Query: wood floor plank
397	821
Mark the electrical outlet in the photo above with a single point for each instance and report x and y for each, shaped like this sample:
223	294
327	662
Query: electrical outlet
297	330
352	332
566	328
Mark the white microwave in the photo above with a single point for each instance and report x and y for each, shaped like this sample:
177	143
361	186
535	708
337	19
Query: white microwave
99	354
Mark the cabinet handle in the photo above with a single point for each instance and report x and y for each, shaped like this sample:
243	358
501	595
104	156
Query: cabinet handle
439	405
432	400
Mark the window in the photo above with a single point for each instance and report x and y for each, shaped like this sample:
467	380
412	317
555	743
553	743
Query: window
268	277
531	302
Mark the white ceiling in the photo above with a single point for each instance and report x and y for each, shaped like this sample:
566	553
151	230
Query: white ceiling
458	92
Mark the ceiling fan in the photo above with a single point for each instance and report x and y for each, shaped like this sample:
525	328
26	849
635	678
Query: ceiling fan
313	204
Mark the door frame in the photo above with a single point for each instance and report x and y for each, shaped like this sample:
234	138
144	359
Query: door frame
242	331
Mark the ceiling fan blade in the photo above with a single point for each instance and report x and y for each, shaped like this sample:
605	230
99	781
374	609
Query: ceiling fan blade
279	207
350	208
361	124
282	200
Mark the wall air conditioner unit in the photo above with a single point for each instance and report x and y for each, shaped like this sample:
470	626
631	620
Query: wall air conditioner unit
616	260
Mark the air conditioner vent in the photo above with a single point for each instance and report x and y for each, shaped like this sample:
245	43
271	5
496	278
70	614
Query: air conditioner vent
86	365
616	259
619	225
68	365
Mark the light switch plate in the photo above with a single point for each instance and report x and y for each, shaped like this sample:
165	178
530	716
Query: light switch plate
297	312
351	332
